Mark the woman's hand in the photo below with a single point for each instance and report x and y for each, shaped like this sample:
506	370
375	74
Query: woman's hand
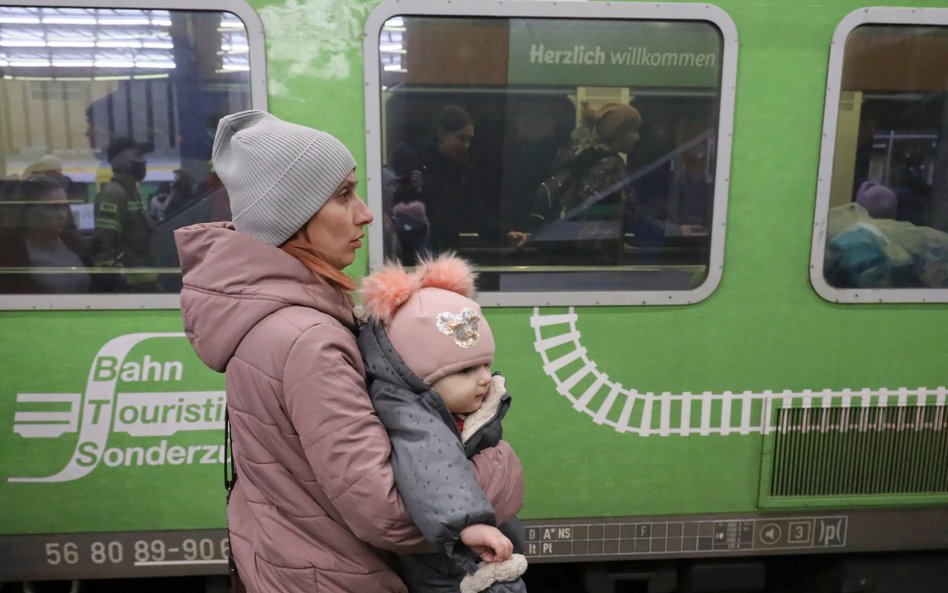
517	238
487	542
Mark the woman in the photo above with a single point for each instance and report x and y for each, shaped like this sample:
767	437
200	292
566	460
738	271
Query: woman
591	181
43	237
453	205
265	300
596	160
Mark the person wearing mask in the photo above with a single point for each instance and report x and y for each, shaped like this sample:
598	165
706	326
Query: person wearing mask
265	300
123	227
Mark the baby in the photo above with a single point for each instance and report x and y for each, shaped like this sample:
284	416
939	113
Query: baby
427	352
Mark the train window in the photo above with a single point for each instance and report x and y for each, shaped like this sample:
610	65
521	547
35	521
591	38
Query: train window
576	153
881	226
106	123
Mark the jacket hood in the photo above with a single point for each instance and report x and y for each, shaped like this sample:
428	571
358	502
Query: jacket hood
231	281
386	364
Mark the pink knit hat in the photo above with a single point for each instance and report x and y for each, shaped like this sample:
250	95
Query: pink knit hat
429	316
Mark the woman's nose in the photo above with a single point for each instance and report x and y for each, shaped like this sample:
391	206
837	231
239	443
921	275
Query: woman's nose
365	216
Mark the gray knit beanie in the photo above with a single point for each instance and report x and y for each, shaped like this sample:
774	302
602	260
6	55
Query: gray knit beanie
277	174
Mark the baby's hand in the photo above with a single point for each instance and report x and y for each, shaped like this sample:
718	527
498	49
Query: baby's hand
487	542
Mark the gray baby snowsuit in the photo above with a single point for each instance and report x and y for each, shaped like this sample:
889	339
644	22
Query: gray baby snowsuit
432	471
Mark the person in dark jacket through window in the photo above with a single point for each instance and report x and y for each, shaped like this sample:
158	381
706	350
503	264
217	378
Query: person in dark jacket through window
428	351
123	227
461	210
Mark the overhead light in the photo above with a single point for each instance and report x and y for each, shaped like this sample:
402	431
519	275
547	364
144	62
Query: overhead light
19	20
391	48
29	63
68	20
161	22
114	64
22	43
155	64
157	45
133	44
71	43
73	63
124	21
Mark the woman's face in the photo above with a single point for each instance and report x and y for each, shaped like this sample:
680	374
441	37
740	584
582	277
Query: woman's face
336	230
49	215
627	141
455	144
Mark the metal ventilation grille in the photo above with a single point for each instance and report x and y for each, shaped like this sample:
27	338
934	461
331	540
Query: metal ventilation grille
860	451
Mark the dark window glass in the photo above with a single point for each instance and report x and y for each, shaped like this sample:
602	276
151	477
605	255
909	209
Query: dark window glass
888	206
557	154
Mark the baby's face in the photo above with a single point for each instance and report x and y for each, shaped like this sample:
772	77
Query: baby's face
464	392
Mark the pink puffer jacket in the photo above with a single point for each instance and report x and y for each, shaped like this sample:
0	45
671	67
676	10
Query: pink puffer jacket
315	507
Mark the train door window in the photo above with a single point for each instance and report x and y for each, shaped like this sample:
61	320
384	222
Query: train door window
881	225
575	152
106	122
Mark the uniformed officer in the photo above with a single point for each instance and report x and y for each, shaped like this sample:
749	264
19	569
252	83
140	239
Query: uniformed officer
123	227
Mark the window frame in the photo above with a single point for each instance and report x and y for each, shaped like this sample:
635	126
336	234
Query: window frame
853	20
575	10
258	100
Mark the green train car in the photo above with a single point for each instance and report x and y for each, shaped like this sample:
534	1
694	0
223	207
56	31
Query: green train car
727	361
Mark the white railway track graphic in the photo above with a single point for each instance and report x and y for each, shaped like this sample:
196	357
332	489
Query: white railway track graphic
625	409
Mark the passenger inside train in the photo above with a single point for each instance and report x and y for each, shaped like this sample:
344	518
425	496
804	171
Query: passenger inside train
867	247
40	238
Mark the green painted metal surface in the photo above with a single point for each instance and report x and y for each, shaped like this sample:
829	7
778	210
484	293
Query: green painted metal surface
763	329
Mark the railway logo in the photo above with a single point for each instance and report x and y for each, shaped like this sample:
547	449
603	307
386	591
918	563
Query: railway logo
626	409
103	410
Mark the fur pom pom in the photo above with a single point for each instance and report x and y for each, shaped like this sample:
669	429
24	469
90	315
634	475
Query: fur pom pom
383	292
448	272
386	290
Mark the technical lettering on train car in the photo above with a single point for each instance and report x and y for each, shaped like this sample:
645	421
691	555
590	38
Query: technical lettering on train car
103	413
137	552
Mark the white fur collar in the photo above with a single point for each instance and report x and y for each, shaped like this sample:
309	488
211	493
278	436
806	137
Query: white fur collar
475	420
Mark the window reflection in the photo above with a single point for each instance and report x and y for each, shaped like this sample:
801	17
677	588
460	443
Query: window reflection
888	219
39	234
554	153
119	108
